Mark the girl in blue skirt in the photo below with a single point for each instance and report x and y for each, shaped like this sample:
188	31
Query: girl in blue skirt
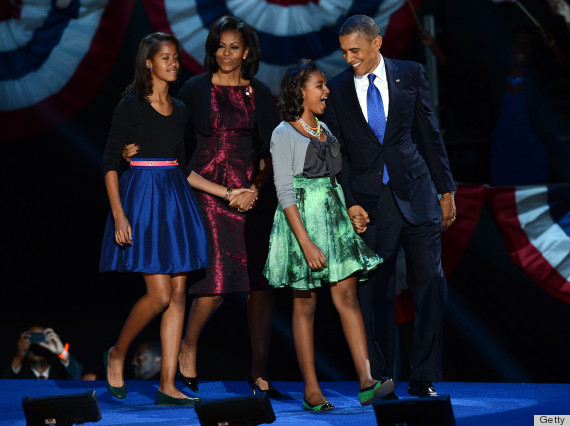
155	226
312	241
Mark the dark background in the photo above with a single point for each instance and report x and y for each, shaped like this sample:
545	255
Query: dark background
499	326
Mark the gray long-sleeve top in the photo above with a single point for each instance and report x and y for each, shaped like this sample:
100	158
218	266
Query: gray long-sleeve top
294	154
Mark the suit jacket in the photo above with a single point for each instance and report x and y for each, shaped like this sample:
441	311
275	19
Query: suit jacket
196	94
57	371
413	148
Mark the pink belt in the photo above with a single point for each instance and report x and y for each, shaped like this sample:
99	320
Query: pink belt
152	163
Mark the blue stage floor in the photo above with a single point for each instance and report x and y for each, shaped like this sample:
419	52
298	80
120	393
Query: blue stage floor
473	403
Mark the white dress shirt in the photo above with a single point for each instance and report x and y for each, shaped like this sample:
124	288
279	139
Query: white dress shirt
36	372
361	84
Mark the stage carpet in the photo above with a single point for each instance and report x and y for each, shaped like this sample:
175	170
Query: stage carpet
472	403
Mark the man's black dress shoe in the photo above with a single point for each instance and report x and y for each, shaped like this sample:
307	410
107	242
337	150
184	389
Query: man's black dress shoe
422	389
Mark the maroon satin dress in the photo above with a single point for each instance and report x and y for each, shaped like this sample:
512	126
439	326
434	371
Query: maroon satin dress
226	157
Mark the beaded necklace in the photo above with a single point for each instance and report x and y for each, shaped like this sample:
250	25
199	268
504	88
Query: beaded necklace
313	131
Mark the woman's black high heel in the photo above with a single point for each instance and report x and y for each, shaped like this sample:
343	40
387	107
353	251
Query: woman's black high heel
271	391
190	382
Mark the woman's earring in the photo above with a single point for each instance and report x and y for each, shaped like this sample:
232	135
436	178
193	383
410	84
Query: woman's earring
149	68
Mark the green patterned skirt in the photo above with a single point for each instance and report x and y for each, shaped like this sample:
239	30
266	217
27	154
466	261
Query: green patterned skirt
323	212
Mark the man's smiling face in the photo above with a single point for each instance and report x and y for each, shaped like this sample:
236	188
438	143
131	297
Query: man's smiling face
362	55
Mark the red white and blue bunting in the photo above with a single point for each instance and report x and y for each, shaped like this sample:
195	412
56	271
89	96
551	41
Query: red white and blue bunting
534	222
288	29
54	56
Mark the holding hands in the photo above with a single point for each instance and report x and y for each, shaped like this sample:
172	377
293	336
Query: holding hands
359	218
244	200
241	199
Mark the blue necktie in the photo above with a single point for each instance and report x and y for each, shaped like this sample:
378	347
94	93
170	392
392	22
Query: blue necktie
376	116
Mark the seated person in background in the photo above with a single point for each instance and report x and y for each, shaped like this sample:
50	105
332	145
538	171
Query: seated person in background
147	360
41	355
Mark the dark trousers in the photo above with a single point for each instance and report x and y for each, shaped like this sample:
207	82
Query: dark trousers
422	247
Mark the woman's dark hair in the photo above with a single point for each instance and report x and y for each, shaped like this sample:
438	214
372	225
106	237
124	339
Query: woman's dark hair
148	47
291	100
250	64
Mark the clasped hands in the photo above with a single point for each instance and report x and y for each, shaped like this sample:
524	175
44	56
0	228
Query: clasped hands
243	201
360	219
240	199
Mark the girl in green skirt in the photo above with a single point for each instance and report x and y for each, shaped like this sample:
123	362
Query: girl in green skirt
312	240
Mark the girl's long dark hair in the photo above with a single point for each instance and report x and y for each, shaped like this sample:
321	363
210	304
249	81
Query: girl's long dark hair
148	47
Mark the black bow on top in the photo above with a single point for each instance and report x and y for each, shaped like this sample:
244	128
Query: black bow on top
329	151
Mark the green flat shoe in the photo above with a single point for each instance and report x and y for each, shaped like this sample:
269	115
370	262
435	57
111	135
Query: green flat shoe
116	391
327	406
163	399
368	395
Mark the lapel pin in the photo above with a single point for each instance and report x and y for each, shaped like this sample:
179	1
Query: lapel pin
397	80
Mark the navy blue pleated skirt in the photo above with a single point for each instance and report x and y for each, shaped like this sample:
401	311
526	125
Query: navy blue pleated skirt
168	233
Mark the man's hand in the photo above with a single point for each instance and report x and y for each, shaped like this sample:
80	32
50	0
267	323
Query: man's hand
23	345
448	211
54	344
359	218
22	348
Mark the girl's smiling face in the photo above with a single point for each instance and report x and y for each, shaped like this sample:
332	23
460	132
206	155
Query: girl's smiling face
165	63
315	93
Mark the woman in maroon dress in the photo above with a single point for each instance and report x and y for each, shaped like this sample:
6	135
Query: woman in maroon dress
232	118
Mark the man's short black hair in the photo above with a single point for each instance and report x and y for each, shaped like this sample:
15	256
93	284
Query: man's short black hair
361	24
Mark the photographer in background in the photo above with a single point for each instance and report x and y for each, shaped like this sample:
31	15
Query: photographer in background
41	354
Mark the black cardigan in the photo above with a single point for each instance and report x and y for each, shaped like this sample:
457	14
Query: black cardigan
196	94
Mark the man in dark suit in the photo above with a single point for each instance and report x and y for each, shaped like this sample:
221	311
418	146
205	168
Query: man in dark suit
399	191
42	355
